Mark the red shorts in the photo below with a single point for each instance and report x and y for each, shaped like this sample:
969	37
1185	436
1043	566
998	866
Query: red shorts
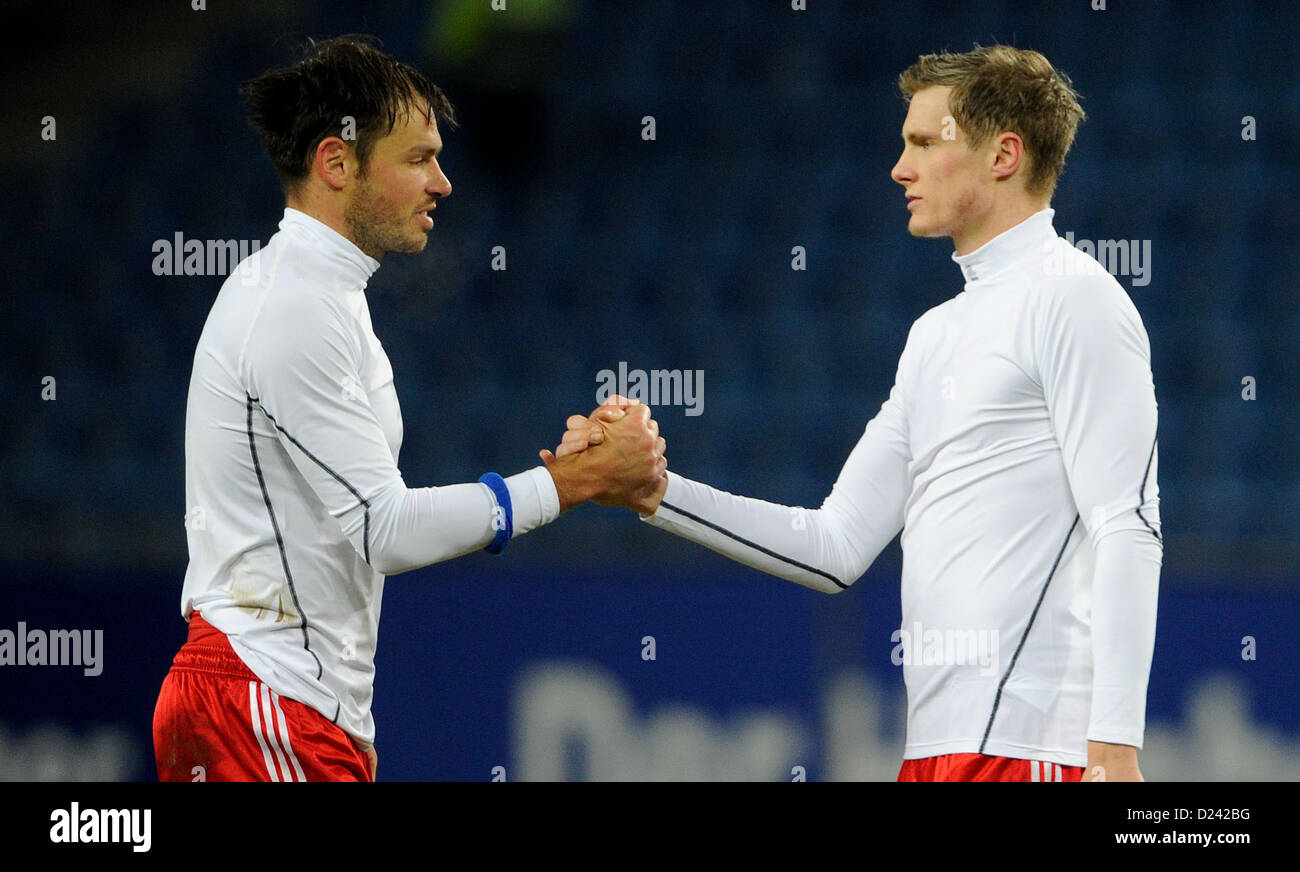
215	721
981	767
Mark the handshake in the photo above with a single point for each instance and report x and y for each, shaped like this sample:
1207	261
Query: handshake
615	457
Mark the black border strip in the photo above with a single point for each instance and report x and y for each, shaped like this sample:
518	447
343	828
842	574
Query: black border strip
997	700
1142	488
279	540
365	536
769	552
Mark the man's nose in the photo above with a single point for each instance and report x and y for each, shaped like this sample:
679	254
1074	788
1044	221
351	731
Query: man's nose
441	185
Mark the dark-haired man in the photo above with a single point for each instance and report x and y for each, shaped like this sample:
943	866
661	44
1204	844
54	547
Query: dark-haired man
1016	452
296	510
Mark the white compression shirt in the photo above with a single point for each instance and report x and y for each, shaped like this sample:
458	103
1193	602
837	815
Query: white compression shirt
296	509
1017	454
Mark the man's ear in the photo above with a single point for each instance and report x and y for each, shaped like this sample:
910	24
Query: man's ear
332	162
1008	155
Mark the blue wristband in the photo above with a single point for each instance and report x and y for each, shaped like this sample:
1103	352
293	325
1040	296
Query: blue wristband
503	517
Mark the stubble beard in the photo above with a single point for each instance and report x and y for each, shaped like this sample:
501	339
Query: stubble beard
376	225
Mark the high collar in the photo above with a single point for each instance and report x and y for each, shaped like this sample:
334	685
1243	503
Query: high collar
355	263
1023	242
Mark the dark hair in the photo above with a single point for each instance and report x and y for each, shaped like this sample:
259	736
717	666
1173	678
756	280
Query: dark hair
295	107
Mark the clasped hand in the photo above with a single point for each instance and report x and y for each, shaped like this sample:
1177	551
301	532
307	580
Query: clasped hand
614	457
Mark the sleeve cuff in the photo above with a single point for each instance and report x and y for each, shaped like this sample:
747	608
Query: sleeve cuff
534	499
1116	738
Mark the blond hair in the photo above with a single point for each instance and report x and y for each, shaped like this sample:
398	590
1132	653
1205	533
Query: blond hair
999	88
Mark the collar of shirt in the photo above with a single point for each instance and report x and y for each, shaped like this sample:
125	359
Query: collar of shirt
356	264
1026	241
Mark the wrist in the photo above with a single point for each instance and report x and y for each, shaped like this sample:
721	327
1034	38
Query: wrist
647	506
572	486
1111	762
1110	749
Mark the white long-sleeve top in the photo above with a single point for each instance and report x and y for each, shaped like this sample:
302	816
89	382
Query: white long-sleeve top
296	509
1017	454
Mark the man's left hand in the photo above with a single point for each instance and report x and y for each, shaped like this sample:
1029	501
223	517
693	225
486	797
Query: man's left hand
1107	762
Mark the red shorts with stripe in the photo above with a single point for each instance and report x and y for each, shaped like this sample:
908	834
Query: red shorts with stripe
215	721
981	767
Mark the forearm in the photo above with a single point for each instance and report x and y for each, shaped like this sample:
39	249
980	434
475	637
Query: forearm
808	547
413	527
1125	588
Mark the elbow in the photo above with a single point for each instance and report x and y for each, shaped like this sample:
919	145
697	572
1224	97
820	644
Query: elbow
384	563
374	531
821	581
371	550
842	561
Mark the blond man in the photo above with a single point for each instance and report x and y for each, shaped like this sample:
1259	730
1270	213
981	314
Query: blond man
1016	453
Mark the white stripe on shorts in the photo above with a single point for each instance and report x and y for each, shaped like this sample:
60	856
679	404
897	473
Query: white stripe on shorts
269	720
1040	771
284	737
257	729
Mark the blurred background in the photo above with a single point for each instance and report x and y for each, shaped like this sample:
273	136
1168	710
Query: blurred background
773	128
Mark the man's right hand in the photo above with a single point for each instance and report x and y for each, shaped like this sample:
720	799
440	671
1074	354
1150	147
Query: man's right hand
621	462
584	431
